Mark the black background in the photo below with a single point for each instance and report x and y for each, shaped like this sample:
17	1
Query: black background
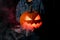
43	31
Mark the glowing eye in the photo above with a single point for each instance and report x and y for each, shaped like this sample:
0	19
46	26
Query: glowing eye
27	18
37	17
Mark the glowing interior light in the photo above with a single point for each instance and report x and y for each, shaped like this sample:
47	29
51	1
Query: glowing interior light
37	17
27	18
33	24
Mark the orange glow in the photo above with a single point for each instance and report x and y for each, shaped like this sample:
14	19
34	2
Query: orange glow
37	18
31	27
30	21
33	24
27	18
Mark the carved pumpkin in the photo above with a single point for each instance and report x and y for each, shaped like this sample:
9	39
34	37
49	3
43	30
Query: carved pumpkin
30	20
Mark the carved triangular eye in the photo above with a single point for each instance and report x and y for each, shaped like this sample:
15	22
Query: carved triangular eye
28	18
37	17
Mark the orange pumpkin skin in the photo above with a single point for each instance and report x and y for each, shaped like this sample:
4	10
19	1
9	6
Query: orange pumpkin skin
30	16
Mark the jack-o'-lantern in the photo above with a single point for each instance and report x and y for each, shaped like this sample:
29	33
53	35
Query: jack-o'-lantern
30	20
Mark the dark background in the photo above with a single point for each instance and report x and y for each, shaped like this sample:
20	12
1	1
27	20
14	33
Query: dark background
7	7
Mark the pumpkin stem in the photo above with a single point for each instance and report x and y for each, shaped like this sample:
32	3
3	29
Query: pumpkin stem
30	9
